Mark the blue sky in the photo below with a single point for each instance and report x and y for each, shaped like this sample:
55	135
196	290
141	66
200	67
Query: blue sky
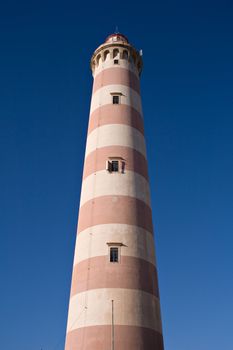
45	89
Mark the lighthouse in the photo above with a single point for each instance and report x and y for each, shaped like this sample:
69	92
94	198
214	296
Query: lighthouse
114	299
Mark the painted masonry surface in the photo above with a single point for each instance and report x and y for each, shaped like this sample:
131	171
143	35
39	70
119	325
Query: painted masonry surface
114	299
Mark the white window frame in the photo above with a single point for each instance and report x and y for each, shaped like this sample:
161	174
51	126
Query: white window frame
117	245
119	94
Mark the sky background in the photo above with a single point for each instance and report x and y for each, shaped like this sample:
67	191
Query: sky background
45	90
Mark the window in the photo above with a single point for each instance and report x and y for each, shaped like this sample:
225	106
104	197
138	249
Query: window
125	55
98	60
116	164
115	53
116	99
114	251
113	166
116	61
114	256
106	55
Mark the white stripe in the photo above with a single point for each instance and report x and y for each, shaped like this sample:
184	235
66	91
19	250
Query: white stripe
110	64
103	96
136	242
103	183
116	135
131	307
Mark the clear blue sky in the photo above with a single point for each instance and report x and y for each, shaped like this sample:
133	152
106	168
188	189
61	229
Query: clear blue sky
45	88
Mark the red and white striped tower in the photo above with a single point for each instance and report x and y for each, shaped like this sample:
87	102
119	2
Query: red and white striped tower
114	300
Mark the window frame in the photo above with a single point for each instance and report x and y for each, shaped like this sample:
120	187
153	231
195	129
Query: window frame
114	254
116	95
115	99
115	166
114	245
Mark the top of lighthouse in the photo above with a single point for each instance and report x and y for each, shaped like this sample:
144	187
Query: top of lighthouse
116	49
116	37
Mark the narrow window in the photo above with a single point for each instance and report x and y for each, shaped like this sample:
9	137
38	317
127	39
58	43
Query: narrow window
98	60
125	55
114	256
116	99
116	61
115	165
115	53
106	55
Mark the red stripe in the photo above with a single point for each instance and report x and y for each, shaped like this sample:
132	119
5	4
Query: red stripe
129	273
134	160
116	75
122	114
115	209
125	338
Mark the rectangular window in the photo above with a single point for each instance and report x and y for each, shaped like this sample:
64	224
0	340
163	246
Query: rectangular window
114	254
116	61
115	99
115	165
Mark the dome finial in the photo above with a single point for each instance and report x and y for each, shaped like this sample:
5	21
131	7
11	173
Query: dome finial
116	30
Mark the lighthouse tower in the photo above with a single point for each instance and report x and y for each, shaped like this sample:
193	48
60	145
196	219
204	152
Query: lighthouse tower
114	299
